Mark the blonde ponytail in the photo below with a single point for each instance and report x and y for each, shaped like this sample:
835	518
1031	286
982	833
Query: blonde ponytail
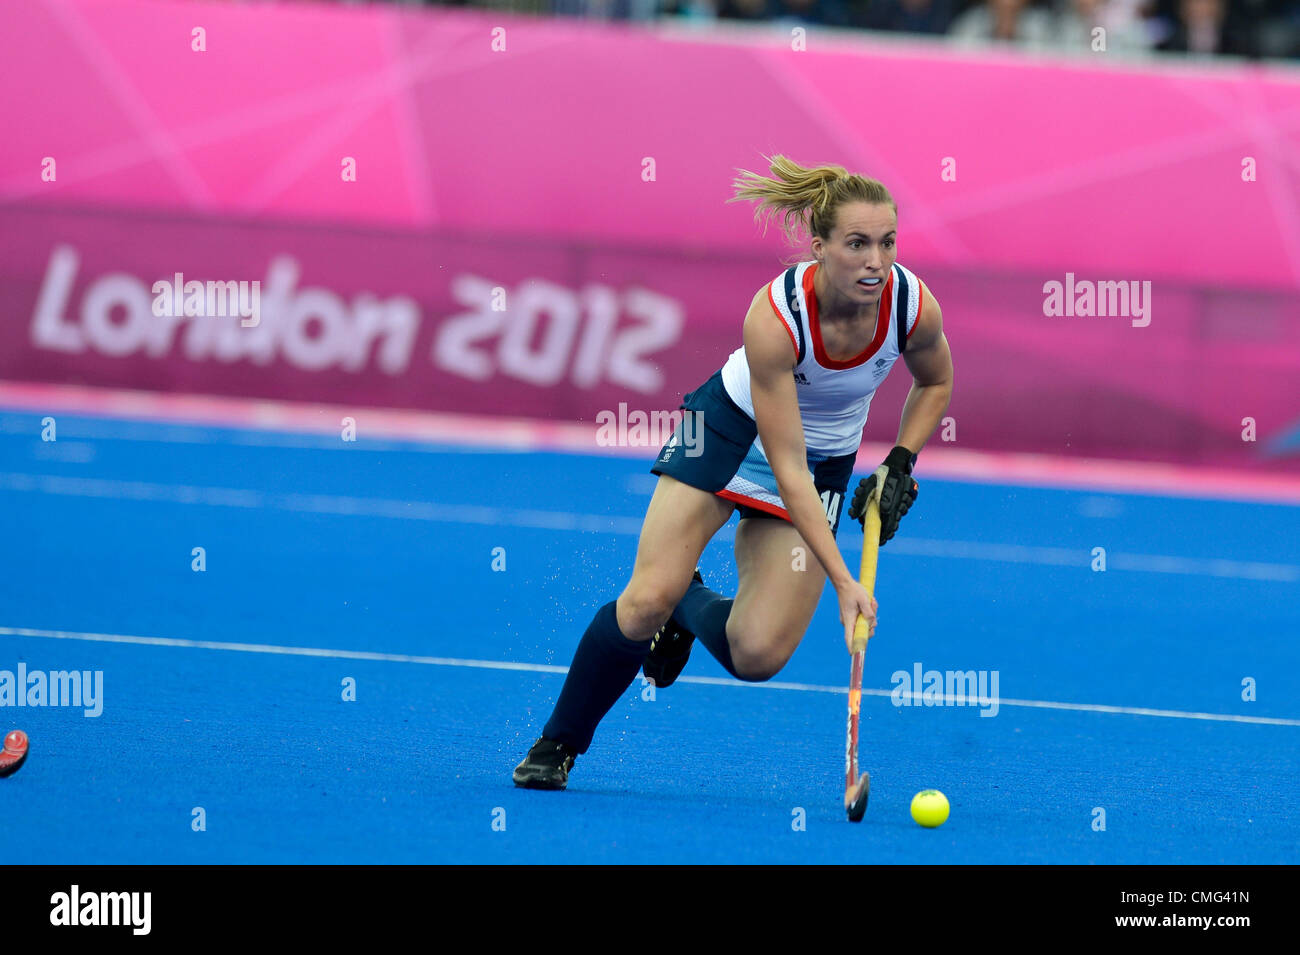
807	199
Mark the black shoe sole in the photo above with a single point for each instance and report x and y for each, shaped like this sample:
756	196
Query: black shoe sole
543	776
539	780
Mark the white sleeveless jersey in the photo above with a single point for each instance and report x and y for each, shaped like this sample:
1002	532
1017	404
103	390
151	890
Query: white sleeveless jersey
834	396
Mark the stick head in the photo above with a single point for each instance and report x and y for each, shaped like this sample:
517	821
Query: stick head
855	799
14	752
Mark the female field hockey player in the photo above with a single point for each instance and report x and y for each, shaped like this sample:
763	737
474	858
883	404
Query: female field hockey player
783	419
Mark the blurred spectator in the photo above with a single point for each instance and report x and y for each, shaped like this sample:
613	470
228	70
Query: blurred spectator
700	10
1154	29
832	13
1279	29
1204	26
744	9
1250	28
909	16
1122	22
1009	21
604	9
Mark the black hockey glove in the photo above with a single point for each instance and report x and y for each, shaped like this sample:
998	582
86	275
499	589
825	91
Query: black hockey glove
896	495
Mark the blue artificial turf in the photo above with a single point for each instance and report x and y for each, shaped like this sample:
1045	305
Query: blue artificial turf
388	548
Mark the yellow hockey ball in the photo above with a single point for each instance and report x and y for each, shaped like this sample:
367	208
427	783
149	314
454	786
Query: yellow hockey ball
930	808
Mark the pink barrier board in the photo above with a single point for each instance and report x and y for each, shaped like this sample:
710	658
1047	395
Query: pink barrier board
402	320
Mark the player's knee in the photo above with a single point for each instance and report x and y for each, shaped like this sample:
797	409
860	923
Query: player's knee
758	664
644	608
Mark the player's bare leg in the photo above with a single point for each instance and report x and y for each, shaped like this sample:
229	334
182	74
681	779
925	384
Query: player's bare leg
781	583
753	634
678	524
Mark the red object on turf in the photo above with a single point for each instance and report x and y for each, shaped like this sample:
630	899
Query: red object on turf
14	752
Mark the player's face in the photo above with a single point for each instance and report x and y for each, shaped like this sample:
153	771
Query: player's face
860	251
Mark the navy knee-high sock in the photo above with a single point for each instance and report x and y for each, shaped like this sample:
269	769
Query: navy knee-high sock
704	613
603	667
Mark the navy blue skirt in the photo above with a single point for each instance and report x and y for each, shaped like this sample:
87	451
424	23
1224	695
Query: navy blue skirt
714	449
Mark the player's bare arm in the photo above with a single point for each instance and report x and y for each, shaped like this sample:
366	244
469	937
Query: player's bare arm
776	413
930	362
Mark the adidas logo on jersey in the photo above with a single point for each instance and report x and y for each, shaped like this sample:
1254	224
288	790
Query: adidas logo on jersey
800	378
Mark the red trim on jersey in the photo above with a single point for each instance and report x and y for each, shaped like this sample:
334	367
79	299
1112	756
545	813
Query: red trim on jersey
882	323
920	303
771	299
754	503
